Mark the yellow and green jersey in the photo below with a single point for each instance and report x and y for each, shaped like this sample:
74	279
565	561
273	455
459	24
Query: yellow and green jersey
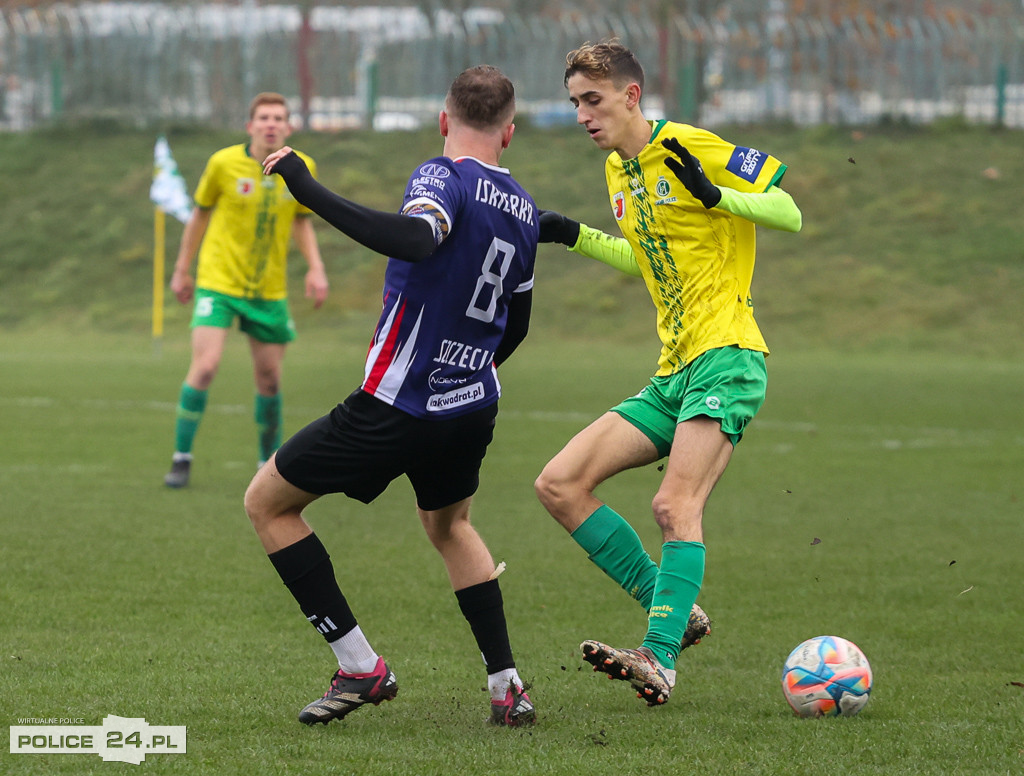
245	247
697	263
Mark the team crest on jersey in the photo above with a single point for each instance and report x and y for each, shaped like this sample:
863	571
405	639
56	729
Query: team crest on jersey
618	205
246	185
663	188
746	163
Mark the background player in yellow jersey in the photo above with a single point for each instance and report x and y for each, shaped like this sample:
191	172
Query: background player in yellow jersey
686	202
242	220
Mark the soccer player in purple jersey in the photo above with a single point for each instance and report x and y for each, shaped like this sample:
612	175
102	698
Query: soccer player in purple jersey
457	298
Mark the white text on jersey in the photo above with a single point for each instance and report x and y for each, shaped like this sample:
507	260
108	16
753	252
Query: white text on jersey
462	355
490	194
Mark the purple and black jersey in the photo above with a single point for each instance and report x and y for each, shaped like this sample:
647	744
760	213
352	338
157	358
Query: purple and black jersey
444	317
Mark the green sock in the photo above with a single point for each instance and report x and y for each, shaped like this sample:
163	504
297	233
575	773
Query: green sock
679	581
191	405
268	422
612	544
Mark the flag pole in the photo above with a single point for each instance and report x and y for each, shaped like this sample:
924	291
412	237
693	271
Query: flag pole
170	195
159	235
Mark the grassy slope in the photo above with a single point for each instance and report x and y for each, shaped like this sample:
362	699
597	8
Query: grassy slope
911	245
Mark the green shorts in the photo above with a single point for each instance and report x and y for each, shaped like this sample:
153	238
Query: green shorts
265	320
727	384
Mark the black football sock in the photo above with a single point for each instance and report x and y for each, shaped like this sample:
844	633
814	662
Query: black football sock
307	572
484	609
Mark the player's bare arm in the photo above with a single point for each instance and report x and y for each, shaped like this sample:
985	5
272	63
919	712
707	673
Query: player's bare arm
183	285
316	282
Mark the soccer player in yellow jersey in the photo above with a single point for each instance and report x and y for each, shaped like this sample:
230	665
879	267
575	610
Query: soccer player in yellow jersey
687	203
240	226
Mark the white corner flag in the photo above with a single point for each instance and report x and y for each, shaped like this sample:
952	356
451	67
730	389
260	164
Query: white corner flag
168	191
169	195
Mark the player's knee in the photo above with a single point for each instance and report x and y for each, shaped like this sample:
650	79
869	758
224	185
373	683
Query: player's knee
545	488
553	488
255	504
201	374
676	516
268	382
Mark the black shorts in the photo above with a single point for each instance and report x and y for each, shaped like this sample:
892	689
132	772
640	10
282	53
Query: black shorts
364	444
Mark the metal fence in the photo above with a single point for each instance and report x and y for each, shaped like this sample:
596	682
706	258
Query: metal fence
150	64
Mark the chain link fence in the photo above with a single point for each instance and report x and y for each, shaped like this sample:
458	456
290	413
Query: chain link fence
151	64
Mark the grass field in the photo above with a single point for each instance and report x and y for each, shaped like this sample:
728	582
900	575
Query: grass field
877	497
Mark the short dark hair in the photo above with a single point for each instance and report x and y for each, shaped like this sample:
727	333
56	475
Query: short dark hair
607	59
482	97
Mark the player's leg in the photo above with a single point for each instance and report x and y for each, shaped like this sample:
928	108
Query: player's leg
321	458
270	328
699	455
207	349
474	579
267	358
566	488
444	477
717	395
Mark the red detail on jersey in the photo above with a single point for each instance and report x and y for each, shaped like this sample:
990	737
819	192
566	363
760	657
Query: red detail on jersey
380	366
619	205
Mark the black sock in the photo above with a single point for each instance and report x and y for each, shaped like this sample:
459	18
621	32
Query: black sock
307	572
484	609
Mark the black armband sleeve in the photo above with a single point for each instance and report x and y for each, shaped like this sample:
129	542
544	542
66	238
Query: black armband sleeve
517	324
401	237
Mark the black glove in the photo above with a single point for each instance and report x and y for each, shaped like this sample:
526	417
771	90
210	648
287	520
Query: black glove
691	174
554	227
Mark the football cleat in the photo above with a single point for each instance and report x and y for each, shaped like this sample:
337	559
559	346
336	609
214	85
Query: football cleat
515	710
697	627
637	666
177	477
350	691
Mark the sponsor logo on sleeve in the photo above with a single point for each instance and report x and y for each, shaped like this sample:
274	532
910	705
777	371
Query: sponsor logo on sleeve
434	170
418	190
746	163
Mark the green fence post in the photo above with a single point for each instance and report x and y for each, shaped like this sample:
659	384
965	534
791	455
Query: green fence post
687	100
1001	78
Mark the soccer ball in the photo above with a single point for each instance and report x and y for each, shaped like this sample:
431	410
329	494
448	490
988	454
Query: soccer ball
826	676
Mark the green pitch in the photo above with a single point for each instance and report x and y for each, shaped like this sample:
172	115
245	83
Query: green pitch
876	498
